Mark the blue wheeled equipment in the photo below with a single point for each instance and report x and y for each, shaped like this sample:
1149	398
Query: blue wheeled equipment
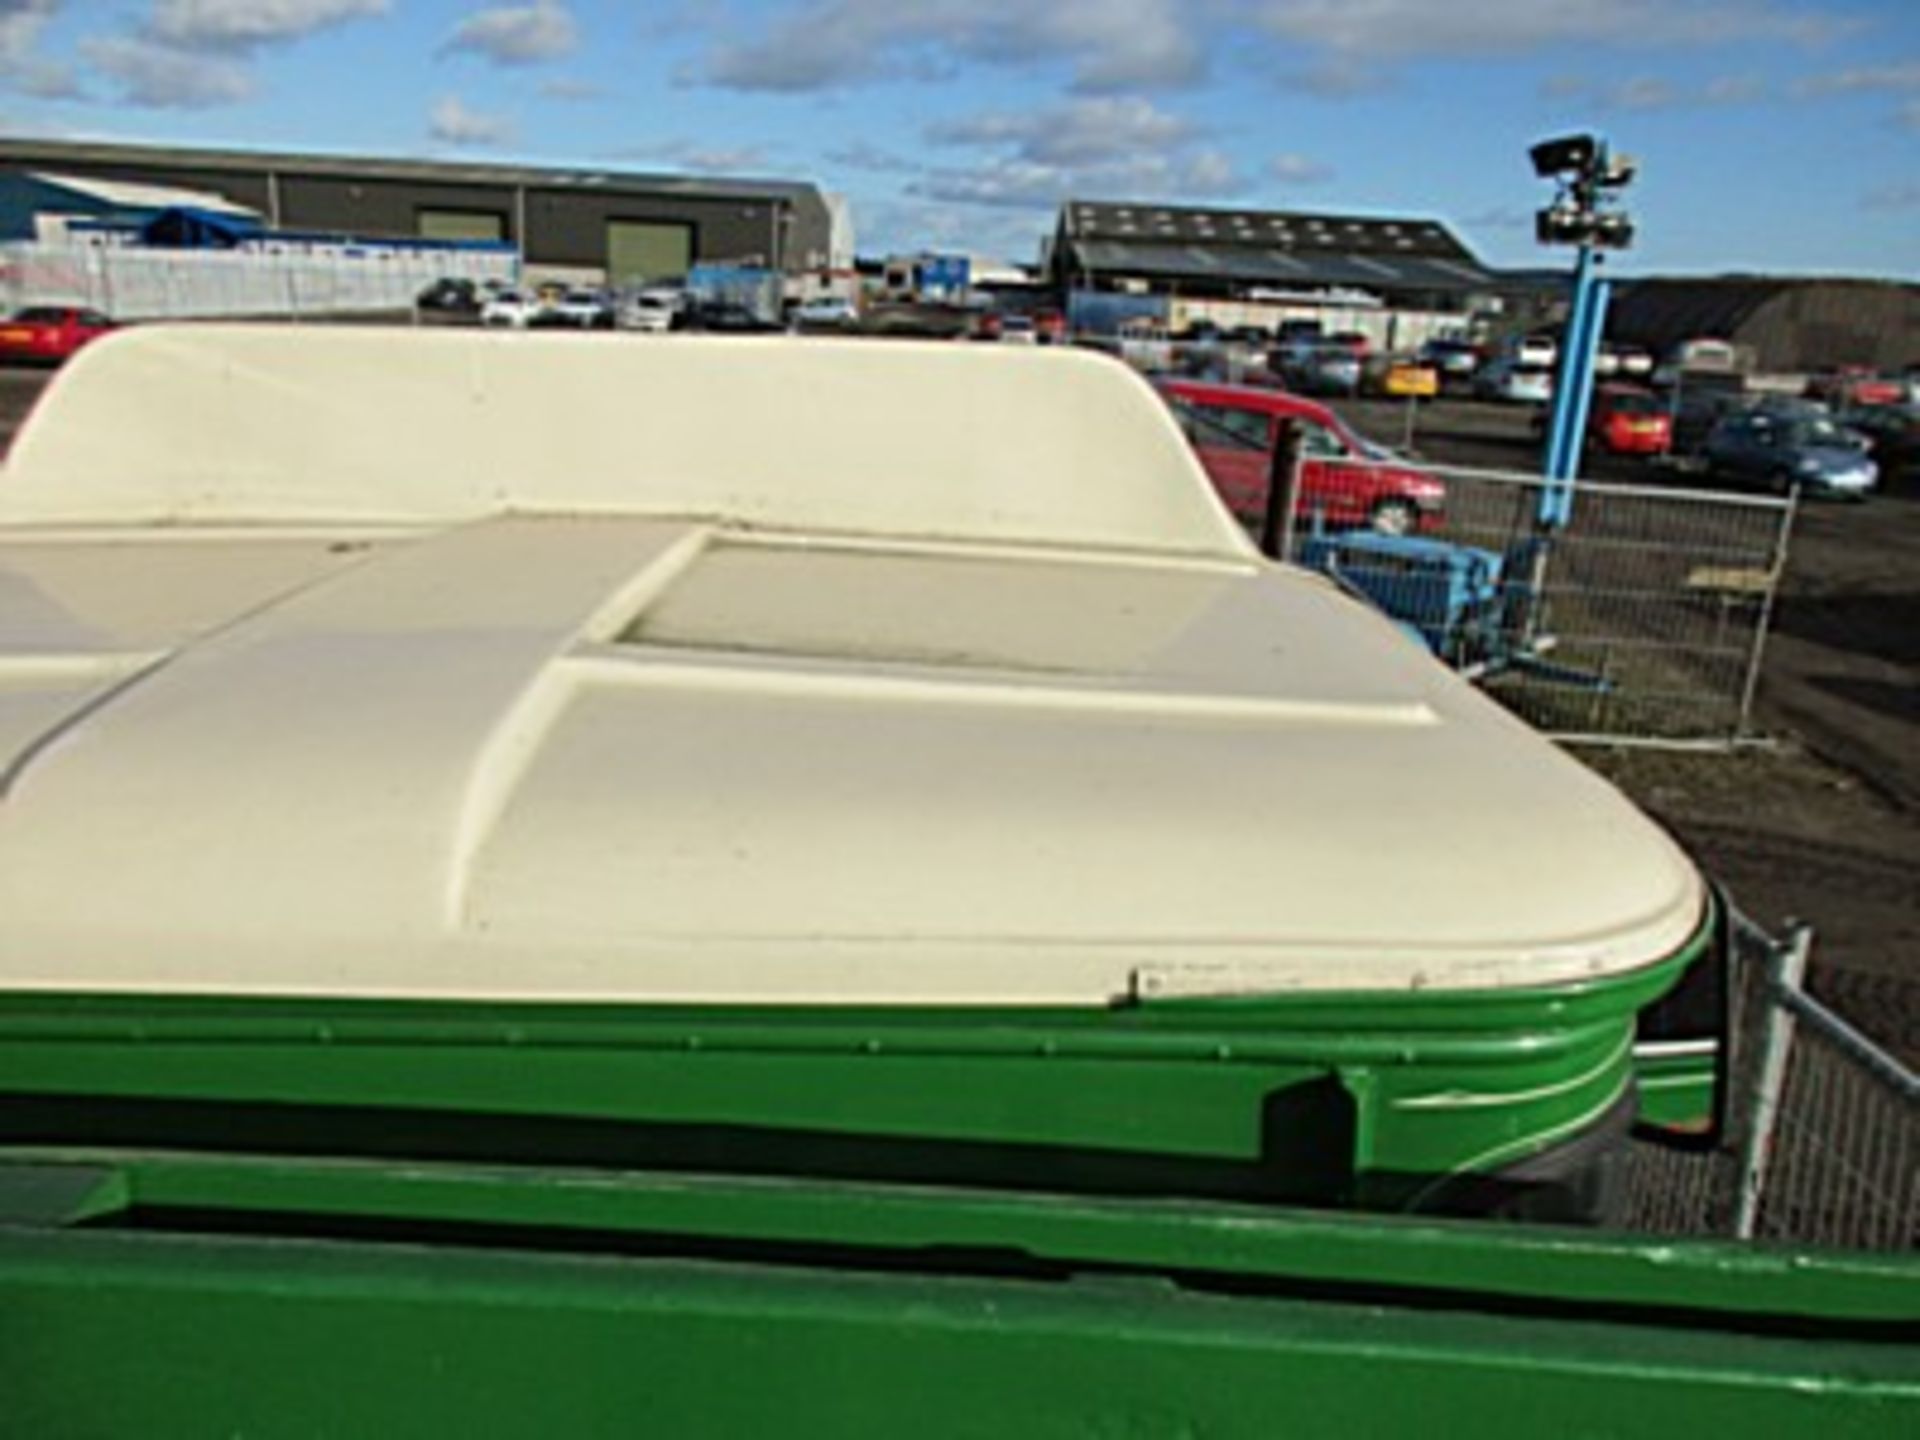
1473	607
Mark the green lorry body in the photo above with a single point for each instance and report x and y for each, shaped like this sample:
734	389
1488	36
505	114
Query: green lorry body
167	1294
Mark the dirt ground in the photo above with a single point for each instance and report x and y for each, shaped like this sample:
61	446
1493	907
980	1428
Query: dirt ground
1822	825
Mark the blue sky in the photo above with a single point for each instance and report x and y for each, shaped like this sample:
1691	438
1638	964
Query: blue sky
1772	134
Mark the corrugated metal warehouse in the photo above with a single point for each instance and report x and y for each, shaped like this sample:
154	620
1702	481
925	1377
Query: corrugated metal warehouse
1194	251
1792	325
618	224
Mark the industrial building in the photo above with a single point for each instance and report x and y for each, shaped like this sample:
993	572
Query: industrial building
1790	325
589	223
1396	280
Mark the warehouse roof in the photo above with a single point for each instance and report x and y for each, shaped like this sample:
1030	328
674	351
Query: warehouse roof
1268	247
14	151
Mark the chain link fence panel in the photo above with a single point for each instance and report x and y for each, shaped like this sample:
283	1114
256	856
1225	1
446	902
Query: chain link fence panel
1643	618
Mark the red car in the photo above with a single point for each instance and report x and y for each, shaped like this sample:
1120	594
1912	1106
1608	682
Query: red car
48	334
1626	421
1347	481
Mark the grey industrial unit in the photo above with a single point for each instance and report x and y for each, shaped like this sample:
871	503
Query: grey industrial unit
1191	251
628	225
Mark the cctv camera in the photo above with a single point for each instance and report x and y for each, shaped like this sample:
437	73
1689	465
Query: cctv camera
1569	154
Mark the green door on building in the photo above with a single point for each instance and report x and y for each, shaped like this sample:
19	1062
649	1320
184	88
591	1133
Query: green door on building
645	250
462	225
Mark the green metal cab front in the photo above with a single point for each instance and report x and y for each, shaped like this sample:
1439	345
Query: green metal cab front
1326	1099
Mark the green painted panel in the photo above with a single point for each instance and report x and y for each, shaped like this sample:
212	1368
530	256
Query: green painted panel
1322	1097
195	1336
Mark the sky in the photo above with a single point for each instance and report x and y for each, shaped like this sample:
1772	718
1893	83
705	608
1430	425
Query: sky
1771	135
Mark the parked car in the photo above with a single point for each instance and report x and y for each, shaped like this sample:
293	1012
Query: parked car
509	309
1455	359
1353	340
1018	330
1817	455
1402	379
1626	420
1345	480
1540	352
1634	362
577	310
450	295
727	317
828	312
1856	385
1514	381
1892	433
1317	366
49	334
650	308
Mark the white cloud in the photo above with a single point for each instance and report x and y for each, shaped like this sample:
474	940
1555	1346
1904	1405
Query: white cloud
1293	169
1868	79
560	87
1093	146
1652	92
863	155
703	159
194	53
1353	44
1108	45
1009	181
241	26
517	34
22	68
1079	131
1401	29
1734	90
452	122
162	78
1643	92
1903	195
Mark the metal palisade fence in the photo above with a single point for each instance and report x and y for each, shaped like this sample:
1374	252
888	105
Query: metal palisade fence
139	283
1643	618
1822	1141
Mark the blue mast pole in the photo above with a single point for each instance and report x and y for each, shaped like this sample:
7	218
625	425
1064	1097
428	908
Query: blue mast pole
1573	390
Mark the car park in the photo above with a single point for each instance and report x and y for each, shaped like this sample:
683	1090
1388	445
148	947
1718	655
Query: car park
1345	480
1514	381
1780	454
49	334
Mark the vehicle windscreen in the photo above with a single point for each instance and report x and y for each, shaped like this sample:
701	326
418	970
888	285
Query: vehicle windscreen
1635	405
1822	435
40	315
